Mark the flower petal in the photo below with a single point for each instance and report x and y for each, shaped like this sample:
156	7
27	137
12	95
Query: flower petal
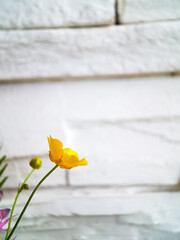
83	162
56	151
70	152
70	159
4	213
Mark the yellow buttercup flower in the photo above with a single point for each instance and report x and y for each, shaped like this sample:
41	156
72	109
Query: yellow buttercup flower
65	158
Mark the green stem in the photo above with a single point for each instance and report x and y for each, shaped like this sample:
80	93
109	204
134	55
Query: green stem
28	201
15	200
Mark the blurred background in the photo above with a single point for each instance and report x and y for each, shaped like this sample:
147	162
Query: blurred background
103	77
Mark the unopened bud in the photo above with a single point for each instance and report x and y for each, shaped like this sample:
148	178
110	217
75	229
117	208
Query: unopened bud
35	163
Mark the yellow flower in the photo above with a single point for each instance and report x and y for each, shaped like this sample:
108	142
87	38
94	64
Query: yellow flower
65	158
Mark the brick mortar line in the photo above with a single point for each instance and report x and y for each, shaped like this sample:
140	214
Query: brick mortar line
116	6
154	119
151	21
116	22
90	77
60	27
140	188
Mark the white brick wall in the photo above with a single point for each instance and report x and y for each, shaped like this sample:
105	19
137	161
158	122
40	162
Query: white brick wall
110	93
131	11
17	14
33	110
135	49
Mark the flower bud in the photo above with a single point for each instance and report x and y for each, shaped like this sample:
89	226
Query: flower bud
35	163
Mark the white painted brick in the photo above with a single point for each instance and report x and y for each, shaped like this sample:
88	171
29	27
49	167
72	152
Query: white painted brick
90	228
62	53
165	130
121	99
18	170
127	153
98	126
131	11
15	14
158	210
29	113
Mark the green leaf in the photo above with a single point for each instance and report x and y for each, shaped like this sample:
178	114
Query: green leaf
2	170
3	181
2	159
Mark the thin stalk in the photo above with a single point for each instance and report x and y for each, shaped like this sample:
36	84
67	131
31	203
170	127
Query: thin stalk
28	201
15	200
